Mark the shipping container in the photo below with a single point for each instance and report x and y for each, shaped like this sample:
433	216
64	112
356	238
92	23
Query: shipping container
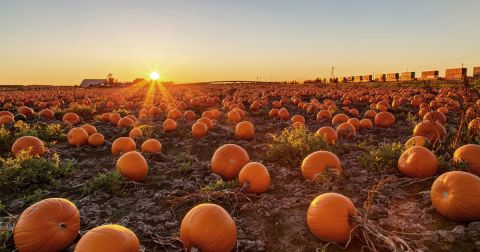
350	78
407	76
367	78
342	79
380	77
476	72
358	79
392	77
455	74
429	75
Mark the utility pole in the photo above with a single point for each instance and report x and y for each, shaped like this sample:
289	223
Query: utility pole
333	73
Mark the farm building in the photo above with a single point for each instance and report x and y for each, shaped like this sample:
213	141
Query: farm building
92	82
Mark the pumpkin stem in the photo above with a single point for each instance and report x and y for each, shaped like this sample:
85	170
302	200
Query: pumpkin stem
195	249
245	185
62	225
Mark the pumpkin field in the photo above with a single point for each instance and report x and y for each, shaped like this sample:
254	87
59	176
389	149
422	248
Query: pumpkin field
371	167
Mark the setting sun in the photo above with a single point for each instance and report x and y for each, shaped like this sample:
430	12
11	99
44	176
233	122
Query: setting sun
154	76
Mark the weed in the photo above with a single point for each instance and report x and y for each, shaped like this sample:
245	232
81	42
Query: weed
293	145
35	197
221	185
384	158
122	111
23	171
184	167
112	181
80	110
2	206
261	112
48	133
96	118
182	157
147	130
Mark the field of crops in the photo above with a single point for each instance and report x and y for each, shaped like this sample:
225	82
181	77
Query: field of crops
240	168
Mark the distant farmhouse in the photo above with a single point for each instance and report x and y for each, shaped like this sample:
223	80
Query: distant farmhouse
92	82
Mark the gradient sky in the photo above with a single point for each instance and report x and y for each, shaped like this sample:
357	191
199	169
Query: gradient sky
64	42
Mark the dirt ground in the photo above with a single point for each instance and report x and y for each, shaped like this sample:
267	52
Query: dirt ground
263	224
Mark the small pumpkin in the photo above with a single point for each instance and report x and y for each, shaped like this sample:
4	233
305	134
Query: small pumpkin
132	166
346	130
152	145
244	131
105	117
108	238
418	141
89	129
125	122
47	114
319	162
208	227
228	160
6	119
70	118
418	162
96	139
189	115
340	118
430	130
199	130
329	134
206	121
77	136
123	145
49	225
456	195
283	114
366	124
328	218
384	119
233	116
135	132
298	118
114	118
255	177
169	125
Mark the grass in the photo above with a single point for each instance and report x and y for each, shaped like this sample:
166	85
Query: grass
261	112
183	159
122	111
400	113
47	133
80	110
221	185
293	145
22	172
384	158
112	182
37	196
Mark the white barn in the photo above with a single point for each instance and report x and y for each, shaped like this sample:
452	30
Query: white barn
91	82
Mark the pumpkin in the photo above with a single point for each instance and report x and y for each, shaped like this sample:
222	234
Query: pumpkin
418	141
70	119
244	131
469	153
77	137
114	118
132	166
123	145
47	114
20	117
89	129
2	113
96	139
366	124
154	111
456	195
355	122
435	116
273	113
228	160
105	117
328	218
384	119
135	132
169	125
324	115
233	116
199	130
298	118
474	127
283	114
125	122
418	162
255	176
319	162
207	122
49	225
430	130
208	227
370	114
108	238
208	114
174	114
30	144
346	130
6	119
189	115
26	111
329	134
340	118
152	145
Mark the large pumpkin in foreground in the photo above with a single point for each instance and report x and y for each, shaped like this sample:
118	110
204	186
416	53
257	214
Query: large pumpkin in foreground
328	217
47	226
319	162
456	195
469	153
108	238
208	227
28	143
228	160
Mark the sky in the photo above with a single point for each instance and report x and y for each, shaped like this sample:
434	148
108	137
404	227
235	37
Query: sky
63	42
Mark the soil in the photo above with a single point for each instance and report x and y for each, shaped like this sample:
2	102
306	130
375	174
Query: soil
262	223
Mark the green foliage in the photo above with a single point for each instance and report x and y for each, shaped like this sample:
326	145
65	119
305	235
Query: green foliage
148	130
293	145
80	110
96	118
24	171
185	167
47	133
112	181
35	197
183	158
261	112
2	206
221	185
400	113
384	158
122	111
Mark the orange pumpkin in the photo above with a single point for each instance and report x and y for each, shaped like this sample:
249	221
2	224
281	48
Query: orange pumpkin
319	162
89	129
105	117
28	143
132	166
123	145
135	132
6	119
49	225
256	176
47	113
233	116
207	122
114	118
384	119
152	145
2	113
208	114
228	160
435	116
328	218
26	111
169	125
329	134
199	130
340	118
96	139
366	124
77	137
208	227
418	162
125	122
70	119
346	130
244	131
456	195
189	115
108	238
273	113
324	115
430	130
469	153
355	122
370	114
283	114
298	118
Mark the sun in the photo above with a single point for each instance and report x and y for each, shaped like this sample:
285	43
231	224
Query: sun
154	76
